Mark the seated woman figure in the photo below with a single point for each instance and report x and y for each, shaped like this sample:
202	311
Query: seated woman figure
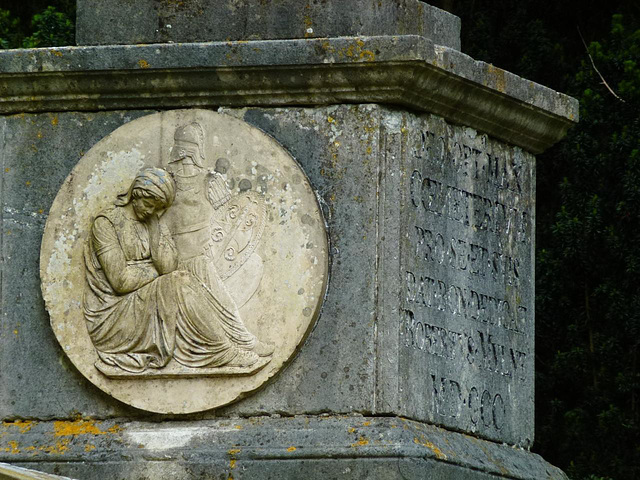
140	310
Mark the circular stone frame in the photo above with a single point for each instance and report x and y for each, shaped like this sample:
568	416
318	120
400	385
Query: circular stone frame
293	247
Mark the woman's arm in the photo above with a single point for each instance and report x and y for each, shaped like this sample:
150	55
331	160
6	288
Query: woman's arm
163	249
123	278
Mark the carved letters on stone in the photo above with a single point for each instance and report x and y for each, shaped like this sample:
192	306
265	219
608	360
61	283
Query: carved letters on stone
185	254
466	316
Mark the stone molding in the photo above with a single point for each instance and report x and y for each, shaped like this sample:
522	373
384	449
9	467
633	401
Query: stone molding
265	446
409	71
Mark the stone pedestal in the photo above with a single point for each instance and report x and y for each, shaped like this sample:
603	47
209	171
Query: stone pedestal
421	364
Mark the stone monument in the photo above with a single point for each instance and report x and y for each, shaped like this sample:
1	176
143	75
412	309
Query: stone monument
269	240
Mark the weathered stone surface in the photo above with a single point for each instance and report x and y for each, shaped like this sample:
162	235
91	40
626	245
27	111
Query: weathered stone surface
334	372
265	448
473	233
198	295
325	145
430	219
103	22
457	292
404	70
360	357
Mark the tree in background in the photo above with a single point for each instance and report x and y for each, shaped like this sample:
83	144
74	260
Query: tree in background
9	30
49	26
50	29
588	282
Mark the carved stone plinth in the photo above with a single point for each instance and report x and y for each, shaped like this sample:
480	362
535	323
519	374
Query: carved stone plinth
269	448
418	362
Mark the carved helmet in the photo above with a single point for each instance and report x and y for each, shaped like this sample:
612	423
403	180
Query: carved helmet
190	139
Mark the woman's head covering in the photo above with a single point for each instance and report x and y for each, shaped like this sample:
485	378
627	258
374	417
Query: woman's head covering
156	181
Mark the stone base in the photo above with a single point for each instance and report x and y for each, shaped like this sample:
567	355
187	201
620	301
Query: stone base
175	370
263	447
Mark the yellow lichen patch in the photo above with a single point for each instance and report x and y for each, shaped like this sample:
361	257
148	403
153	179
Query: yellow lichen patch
54	121
22	425
330	119
56	53
366	424
308	26
367	55
360	443
430	446
39	135
7	170
27	183
238	427
88	447
15	332
232	463
351	430
291	449
59	448
143	63
356	51
13	447
81	427
234	451
499	75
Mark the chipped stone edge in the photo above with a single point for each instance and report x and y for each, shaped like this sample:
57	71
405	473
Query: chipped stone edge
18	473
408	70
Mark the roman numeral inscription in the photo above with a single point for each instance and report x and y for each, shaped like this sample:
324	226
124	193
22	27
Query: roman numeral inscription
466	317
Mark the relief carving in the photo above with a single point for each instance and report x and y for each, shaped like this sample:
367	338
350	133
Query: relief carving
148	303
185	252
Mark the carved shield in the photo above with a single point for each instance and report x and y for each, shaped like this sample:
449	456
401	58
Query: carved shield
236	232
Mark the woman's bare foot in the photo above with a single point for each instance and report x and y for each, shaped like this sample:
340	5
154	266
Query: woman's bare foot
243	359
263	349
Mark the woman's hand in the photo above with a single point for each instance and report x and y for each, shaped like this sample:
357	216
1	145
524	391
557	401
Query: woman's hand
163	248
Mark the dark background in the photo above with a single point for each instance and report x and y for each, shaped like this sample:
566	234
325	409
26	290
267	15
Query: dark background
588	228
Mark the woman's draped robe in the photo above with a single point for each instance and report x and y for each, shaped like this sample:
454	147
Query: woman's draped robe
139	319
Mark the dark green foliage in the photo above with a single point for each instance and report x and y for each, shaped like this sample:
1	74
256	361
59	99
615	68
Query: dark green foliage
47	28
9	30
588	288
50	28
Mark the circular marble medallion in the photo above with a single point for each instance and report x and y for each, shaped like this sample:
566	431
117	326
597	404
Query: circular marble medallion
184	261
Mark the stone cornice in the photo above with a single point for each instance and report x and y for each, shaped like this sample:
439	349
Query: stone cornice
409	71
